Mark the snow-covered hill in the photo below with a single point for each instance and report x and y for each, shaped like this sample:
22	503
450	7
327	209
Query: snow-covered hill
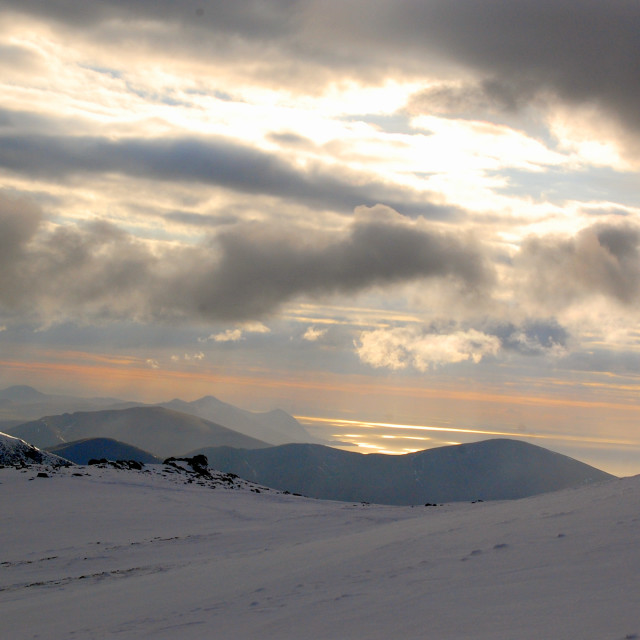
146	554
16	452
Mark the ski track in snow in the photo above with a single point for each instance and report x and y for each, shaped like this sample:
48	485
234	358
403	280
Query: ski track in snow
128	554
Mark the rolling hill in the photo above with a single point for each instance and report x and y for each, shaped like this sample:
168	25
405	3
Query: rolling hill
498	469
81	451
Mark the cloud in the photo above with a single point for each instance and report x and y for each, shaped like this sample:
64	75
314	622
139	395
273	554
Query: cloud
534	337
230	335
53	273
237	334
468	99
583	52
312	334
209	160
600	260
243	274
255	327
261	267
402	347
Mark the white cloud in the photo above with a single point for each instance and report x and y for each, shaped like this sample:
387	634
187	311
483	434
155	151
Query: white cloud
254	327
188	357
230	335
237	334
312	334
401	347
154	364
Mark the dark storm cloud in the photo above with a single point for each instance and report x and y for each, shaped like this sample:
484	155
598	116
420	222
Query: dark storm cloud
209	161
583	51
603	260
19	221
255	18
268	268
98	271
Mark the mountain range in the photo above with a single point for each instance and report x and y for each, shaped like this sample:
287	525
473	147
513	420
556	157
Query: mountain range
275	427
497	469
20	404
160	431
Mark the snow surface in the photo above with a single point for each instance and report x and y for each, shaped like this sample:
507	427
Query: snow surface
129	554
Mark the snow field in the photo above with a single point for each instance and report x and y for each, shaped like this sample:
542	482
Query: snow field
137	555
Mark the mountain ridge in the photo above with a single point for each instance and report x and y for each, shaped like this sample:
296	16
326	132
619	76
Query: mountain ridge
21	403
496	469
162	432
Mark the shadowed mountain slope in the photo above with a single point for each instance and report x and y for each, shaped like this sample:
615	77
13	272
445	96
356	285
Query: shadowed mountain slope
160	431
497	469
81	451
276	427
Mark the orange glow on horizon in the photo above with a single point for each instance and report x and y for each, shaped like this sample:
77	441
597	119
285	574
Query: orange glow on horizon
485	432
134	371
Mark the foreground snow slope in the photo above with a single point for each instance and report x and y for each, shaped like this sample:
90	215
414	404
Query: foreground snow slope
137	555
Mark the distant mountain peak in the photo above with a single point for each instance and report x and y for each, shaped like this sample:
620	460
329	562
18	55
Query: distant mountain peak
21	393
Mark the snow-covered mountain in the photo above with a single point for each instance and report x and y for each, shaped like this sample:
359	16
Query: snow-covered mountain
160	431
497	469
99	553
17	452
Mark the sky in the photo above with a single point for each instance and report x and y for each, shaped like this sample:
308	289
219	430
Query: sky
408	223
